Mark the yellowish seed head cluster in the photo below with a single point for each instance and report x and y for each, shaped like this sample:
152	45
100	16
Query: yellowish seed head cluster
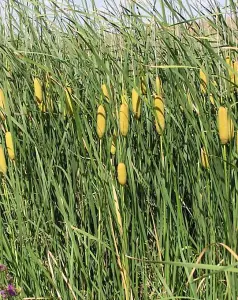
158	84
101	121
235	66
225	125
9	144
136	103
105	92
203	81
38	90
124	119
159	114
3	165
121	173
230	69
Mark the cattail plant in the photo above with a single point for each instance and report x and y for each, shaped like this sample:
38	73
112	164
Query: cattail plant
223	127
121	173
38	90
203	81
159	114
101	121
158	84
9	144
3	165
231	73
230	128
204	158
235	66
136	104
2	105
124	119
105	92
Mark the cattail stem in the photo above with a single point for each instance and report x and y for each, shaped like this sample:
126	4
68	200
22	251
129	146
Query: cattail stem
224	156
100	229
124	247
162	152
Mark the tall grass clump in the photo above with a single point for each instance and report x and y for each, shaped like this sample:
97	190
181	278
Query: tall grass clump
120	125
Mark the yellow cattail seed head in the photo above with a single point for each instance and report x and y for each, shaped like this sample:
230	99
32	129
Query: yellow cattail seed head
143	86
9	144
158	84
2	105
3	165
159	114
105	92
235	66
38	90
121	173
230	128
203	83
223	125
124	119
101	121
136	104
230	69
204	158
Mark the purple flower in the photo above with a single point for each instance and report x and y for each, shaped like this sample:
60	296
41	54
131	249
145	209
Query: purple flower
11	290
3	268
3	294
